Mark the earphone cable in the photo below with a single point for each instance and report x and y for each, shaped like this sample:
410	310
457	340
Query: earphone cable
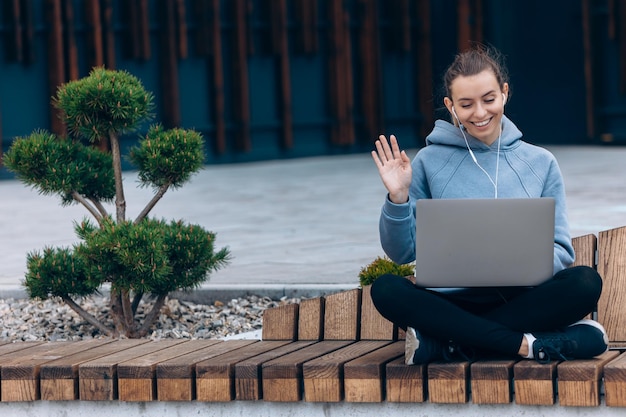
494	183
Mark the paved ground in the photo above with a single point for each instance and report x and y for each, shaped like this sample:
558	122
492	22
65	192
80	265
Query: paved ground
293	225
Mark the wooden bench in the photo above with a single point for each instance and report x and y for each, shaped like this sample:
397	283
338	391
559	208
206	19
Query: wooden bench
331	349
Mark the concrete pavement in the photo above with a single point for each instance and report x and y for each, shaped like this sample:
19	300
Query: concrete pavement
294	227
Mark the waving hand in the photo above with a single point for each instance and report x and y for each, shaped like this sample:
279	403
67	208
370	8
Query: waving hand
394	167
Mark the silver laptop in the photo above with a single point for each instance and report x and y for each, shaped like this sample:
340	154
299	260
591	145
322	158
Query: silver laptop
484	242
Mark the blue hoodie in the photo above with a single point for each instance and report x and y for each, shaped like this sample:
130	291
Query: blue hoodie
445	169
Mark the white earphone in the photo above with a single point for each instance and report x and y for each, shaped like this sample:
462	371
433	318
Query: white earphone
493	182
457	117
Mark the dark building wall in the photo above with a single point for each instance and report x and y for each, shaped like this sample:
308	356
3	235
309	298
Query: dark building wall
316	77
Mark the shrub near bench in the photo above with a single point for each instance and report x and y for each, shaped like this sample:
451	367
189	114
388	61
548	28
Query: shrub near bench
331	349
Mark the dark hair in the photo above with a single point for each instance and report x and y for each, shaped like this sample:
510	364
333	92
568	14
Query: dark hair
474	61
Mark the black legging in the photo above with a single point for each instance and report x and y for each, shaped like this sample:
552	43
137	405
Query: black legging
495	326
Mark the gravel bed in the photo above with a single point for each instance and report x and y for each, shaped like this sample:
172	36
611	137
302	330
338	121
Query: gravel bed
52	320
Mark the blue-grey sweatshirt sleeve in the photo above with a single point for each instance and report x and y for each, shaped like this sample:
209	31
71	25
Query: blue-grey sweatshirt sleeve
537	175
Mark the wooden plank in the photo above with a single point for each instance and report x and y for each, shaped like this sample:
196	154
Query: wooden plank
448	383
464	28
340	83
59	378
282	377
8	348
579	381
612	269
422	55
248	373
311	319
169	76
370	67
364	377
215	377
69	40
373	325
279	23
405	383
588	58
14	42
615	382
218	79
132	40
175	377
323	376
341	315
28	41
492	381
98	377
56	63
94	48
535	382
181	29
280	323
136	377
585	247
20	369
241	82
143	30
306	15
108	34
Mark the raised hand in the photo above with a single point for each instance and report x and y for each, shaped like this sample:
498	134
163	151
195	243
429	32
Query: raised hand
394	167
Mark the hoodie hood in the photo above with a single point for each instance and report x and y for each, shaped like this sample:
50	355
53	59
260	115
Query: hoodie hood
445	133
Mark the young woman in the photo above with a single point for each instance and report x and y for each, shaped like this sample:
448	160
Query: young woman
481	154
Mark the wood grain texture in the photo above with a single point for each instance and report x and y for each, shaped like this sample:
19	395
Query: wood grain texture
280	323
492	381
341	315
248	373
535	383
612	269
323	376
59	378
579	381
448	383
215	377
585	247
98	377
405	383
373	325
615	382
282	377
176	377
20	369
311	319
364	377
136	377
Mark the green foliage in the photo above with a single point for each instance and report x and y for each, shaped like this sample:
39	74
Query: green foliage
144	256
59	166
191	251
129	256
381	266
152	256
105	101
168	156
56	272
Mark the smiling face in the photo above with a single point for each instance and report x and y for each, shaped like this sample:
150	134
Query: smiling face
478	101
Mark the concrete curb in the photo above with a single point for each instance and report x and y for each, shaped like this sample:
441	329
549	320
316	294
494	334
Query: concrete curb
208	294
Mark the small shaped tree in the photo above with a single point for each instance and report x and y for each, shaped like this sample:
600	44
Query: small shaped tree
135	257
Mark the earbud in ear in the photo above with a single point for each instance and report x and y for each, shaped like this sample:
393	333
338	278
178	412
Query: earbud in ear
454	113
503	99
